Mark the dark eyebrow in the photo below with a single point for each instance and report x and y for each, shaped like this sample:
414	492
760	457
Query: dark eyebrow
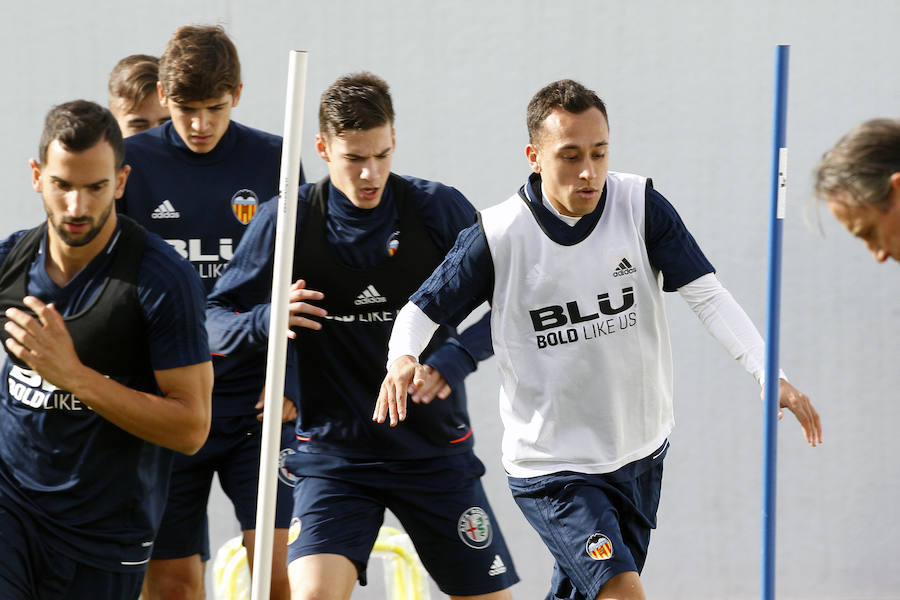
211	107
383	153
138	121
575	147
58	180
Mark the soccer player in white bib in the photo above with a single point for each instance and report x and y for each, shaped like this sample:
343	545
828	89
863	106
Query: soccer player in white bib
574	265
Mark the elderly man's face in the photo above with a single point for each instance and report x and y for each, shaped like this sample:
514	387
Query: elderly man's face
878	229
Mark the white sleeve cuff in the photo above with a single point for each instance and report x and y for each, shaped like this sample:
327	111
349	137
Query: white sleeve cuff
726	321
411	333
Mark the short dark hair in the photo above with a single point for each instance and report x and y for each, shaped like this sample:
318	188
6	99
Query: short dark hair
200	62
133	80
861	163
566	94
357	101
79	125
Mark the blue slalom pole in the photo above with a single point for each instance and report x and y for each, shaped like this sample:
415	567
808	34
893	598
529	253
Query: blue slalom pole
773	318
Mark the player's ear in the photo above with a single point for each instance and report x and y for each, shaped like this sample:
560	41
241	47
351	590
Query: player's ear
236	96
161	94
895	185
893	198
531	153
121	178
35	174
322	147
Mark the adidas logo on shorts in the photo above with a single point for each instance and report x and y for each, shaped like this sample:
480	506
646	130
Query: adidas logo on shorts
165	211
369	296
624	268
497	567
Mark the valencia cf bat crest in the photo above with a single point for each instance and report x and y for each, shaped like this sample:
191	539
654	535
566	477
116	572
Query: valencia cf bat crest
244	204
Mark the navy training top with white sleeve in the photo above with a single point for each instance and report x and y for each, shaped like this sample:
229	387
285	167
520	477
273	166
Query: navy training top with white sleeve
96	492
466	278
202	204
238	315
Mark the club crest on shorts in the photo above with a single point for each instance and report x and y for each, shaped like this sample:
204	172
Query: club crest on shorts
474	528
393	243
244	204
599	547
285	476
294	530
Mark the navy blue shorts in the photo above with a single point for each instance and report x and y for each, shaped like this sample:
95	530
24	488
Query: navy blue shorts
339	506
596	526
232	450
31	569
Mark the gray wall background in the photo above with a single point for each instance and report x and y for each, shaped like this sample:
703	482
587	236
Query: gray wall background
689	89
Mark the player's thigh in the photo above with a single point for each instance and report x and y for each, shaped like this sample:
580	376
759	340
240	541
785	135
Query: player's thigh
500	595
453	527
624	586
279	548
322	577
175	578
579	524
334	516
239	474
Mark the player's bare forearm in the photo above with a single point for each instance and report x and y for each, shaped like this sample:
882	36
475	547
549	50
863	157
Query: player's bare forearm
799	403
404	372
179	419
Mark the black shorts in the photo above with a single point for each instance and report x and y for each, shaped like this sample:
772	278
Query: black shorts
32	569
596	526
339	507
232	450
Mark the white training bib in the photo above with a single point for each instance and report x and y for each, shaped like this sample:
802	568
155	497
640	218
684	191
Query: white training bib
581	339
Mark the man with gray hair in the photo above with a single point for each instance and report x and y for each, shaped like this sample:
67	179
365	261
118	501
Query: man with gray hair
859	179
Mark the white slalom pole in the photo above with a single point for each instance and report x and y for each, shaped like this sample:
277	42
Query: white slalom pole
278	325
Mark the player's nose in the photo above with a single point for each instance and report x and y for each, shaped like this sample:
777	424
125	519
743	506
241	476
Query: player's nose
200	122
75	203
